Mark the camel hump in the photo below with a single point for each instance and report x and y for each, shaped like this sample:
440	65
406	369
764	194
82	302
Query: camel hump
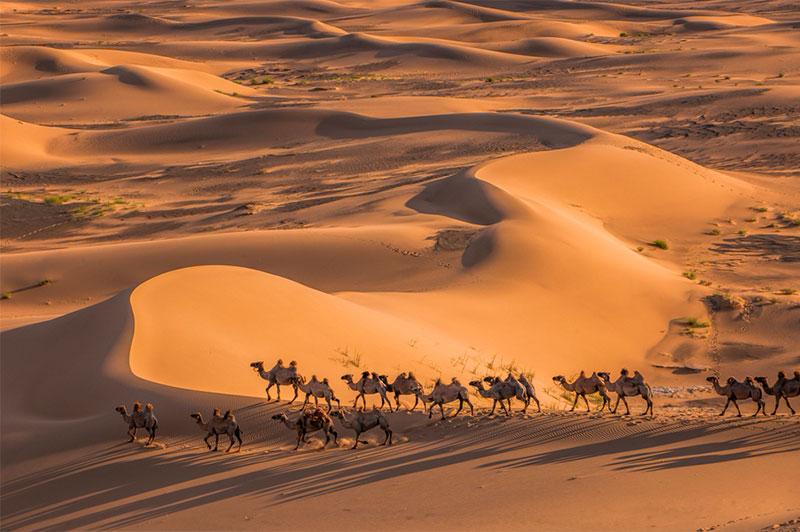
148	406
293	363
137	405
325	380
228	414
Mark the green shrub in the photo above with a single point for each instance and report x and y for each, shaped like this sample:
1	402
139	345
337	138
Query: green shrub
660	244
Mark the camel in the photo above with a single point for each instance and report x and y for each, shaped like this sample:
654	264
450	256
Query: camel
530	391
219	425
307	423
318	389
403	385
783	388
447	393
514	389
139	419
583	385
626	386
736	391
279	375
363	421
497	392
367	385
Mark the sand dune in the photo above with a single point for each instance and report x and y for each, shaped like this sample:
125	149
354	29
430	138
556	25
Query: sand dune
453	188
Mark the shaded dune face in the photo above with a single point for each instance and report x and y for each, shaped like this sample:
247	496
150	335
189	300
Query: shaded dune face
453	189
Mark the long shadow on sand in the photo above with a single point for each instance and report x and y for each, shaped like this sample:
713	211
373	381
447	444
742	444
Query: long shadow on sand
106	488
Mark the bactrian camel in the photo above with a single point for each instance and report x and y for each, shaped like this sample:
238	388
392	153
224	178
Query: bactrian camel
498	392
583	385
736	391
364	420
626	386
530	391
511	387
783	388
447	393
367	385
317	389
278	376
307	423
217	425
139	419
403	385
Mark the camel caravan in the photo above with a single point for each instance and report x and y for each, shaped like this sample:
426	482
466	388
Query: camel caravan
500	391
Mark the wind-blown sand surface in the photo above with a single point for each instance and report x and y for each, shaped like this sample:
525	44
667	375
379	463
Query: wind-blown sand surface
452	188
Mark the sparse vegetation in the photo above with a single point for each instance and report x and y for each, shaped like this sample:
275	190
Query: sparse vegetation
45	282
347	358
623	34
690	275
697	322
787	291
57	199
661	244
751	220
704	282
5	295
715	231
743	232
780	74
489	80
761	209
640	249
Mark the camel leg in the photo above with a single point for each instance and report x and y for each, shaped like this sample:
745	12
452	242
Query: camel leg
471	408
230	435
416	402
430	411
759	404
494	405
538	406
316	402
278	387
300	436
388	436
650	406
308	396
295	393
216	442
777	402
460	406
587	402
739	412
505	410
355	445
206	440
625	402
152	435
726	407
786	400
132	434
441	407
238	435
616	405
269	398
574	404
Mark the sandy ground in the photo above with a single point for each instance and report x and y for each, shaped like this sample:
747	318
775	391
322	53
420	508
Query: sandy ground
453	188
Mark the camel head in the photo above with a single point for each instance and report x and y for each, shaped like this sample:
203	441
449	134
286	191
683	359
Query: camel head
712	379
280	417
298	379
121	409
137	406
384	379
197	416
606	376
476	383
762	380
347	378
257	366
559	379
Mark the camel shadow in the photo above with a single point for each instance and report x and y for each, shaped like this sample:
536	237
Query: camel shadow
117	486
